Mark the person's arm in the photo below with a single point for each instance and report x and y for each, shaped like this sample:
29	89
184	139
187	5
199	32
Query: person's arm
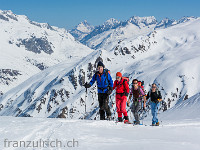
110	81
159	96
131	94
128	100
114	86
144	97
126	88
93	79
147	96
141	92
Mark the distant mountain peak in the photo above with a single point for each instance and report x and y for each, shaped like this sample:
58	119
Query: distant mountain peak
81	30
111	21
6	15
6	12
186	18
166	22
146	20
84	27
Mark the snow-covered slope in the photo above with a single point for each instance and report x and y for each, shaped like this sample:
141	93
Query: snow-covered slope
184	110
180	130
44	93
168	57
27	47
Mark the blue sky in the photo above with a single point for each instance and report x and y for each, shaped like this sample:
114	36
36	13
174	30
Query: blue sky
68	13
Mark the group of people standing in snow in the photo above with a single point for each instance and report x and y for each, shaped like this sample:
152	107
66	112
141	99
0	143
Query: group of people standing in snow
105	87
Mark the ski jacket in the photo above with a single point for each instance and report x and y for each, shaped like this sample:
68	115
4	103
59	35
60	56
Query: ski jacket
104	81
137	93
154	96
122	87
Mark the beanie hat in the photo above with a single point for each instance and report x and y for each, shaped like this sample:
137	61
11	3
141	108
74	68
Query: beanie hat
100	64
119	74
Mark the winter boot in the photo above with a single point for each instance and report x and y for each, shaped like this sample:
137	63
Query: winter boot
109	118
126	120
157	124
137	122
120	119
102	114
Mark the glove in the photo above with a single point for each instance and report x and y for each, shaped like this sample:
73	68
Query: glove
126	94
109	91
158	101
87	85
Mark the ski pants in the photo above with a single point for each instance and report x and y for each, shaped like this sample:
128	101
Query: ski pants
154	111
136	107
121	105
103	99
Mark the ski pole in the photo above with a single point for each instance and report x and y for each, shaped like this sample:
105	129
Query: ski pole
85	99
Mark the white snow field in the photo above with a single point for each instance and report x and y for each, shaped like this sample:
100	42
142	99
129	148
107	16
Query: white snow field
179	130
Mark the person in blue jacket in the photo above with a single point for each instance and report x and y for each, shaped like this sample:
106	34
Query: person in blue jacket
105	87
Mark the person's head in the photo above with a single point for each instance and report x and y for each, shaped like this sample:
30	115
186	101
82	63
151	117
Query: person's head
100	67
135	83
119	76
153	87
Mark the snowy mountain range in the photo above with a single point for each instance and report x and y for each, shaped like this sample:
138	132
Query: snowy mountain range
167	56
113	31
27	47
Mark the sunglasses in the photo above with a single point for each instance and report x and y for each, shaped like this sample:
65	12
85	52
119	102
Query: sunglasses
135	83
154	87
118	77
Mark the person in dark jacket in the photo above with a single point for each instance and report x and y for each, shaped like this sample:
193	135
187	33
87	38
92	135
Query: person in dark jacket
105	86
155	97
138	96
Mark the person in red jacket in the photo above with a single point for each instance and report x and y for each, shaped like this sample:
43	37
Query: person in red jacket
122	91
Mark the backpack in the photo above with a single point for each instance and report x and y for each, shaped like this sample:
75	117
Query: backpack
157	92
126	79
106	71
141	84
